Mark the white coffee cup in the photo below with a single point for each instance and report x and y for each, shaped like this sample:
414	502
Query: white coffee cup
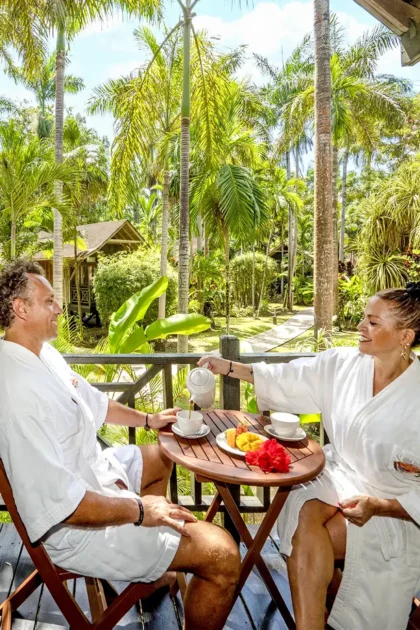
285	424
189	426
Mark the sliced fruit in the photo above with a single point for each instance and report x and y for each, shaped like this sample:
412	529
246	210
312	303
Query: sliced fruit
231	437
248	441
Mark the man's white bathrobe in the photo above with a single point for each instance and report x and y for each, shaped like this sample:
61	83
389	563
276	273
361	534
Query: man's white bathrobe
49	416
374	450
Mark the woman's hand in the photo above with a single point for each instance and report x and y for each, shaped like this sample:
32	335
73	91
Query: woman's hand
159	420
216	364
159	511
358	510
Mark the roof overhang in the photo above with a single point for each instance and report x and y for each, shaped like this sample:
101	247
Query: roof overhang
403	18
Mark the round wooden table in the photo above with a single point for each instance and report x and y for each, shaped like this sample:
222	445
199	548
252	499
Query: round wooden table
210	463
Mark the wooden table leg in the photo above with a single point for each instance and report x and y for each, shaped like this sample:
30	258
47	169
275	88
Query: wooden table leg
214	508
255	545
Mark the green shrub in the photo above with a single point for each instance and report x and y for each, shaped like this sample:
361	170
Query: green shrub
241	278
351	300
121	275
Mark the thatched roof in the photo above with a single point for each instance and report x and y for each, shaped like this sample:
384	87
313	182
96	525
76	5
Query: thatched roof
403	18
95	236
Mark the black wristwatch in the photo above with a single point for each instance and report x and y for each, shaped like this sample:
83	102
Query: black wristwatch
146	424
141	512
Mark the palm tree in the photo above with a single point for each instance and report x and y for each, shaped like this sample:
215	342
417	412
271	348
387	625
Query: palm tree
23	28
27	176
42	85
323	235
282	194
225	189
69	17
146	108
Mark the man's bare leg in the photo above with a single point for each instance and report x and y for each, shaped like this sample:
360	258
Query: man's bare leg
156	470
311	564
212	556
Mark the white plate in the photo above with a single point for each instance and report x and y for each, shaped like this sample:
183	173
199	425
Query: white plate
299	434
205	430
221	443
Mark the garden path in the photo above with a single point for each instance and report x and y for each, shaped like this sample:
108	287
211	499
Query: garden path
277	336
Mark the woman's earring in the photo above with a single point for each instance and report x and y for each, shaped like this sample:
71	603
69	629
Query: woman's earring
404	354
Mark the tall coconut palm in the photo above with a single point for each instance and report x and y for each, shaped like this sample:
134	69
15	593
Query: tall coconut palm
323	235
68	18
146	108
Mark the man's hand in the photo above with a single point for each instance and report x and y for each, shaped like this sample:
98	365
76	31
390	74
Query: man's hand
358	510
216	364
159	511
159	420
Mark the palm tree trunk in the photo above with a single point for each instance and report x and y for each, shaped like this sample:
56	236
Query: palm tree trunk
77	283
287	297
200	233
323	228
58	188
206	243
335	224
183	261
343	204
253	281
264	272
164	241
227	275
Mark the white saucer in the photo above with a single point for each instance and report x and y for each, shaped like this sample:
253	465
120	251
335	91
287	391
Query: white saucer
221	443
300	434
205	430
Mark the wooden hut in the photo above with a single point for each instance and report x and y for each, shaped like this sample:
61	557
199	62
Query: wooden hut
403	18
107	237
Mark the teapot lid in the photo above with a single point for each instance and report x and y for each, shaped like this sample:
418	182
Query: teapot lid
200	376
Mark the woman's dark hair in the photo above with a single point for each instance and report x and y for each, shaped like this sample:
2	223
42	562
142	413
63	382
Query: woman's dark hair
405	304
14	284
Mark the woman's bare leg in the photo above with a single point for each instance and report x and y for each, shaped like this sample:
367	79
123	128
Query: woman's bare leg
337	530
311	564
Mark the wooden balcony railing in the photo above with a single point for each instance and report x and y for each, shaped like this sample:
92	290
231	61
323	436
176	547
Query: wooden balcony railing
229	399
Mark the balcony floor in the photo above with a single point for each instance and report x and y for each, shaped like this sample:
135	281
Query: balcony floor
254	610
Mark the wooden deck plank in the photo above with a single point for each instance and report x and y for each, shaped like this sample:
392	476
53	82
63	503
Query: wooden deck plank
253	611
264	613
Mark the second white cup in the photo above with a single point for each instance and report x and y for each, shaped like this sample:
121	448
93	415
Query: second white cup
285	424
189	426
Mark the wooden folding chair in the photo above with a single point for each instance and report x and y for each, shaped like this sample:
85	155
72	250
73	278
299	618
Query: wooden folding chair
106	604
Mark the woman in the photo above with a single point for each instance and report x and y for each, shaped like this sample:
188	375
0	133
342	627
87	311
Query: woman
365	507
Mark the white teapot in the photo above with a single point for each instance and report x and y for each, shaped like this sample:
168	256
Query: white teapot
201	384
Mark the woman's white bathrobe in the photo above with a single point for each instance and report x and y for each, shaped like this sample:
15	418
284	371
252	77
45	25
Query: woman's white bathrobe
374	450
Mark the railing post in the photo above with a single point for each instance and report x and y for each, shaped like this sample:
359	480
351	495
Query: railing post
132	430
230	388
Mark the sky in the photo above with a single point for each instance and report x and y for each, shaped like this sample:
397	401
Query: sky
269	28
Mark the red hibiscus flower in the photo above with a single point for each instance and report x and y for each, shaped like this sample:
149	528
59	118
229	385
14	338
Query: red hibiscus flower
270	457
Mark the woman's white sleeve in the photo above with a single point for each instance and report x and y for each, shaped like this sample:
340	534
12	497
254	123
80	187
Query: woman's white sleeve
295	387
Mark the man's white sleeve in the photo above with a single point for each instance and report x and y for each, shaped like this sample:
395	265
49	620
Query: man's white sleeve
45	491
97	401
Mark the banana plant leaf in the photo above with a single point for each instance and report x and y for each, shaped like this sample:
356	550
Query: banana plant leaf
133	341
307	418
133	310
177	325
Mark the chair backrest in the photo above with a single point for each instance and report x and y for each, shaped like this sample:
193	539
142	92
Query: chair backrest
51	575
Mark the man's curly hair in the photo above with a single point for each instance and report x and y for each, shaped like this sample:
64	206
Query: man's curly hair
14	284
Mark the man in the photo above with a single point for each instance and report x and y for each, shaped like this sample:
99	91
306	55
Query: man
82	502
